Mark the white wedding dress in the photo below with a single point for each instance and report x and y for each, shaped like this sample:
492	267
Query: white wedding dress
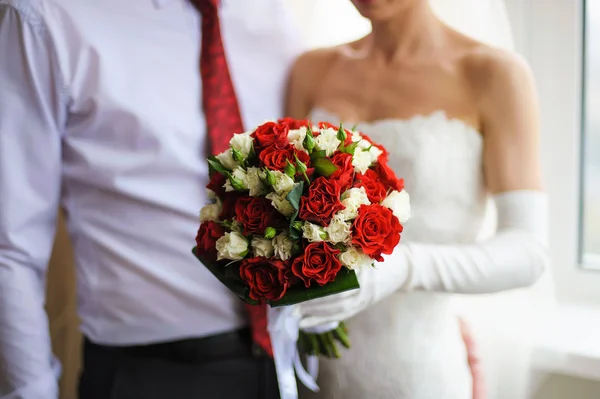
409	345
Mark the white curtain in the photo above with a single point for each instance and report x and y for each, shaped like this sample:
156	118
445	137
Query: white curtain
505	325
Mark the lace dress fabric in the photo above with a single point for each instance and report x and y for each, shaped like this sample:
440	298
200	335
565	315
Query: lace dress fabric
409	346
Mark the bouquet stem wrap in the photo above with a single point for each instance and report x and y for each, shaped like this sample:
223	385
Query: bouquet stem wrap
284	329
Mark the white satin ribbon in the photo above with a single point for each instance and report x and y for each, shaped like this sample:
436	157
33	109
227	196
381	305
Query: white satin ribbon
284	329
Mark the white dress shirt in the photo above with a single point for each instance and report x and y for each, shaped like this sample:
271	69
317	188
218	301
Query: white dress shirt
100	113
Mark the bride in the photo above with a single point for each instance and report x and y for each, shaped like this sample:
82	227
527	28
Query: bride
460	121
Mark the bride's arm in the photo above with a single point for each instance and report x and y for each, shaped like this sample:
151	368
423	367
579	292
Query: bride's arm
516	255
304	79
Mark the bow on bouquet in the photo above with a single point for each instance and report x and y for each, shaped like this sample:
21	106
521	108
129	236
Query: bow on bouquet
296	209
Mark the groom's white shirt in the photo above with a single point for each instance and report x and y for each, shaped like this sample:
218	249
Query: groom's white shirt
100	112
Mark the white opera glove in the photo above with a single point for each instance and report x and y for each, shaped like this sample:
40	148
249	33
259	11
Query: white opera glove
516	256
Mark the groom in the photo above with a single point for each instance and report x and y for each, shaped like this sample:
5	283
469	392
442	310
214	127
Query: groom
101	113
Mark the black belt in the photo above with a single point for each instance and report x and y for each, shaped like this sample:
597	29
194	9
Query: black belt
235	344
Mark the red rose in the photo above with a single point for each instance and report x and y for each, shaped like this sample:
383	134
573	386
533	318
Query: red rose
370	181
275	158
229	200
327	125
267	278
387	176
322	202
376	230
345	172
319	263
256	214
206	239
216	183
271	133
292	123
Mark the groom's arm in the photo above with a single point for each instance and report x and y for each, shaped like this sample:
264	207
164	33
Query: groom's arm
517	255
30	169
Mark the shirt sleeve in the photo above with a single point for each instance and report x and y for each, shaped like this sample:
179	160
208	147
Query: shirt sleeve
31	110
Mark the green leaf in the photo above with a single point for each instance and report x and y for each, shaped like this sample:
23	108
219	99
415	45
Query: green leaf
351	148
324	167
229	277
345	281
318	154
294	195
293	233
216	165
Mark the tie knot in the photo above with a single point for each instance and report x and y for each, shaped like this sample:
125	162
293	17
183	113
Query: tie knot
206	7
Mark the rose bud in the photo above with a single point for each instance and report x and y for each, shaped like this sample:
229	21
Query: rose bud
236	183
270	232
290	170
309	141
300	166
237	156
341	134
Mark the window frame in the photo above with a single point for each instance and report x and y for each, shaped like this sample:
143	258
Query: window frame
550	35
586	261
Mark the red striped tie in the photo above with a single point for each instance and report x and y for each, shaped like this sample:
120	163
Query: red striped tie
222	115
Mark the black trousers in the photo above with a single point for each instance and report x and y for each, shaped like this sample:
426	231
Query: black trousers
219	367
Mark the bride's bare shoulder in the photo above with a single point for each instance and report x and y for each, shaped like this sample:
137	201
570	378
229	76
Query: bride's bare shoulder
306	75
496	72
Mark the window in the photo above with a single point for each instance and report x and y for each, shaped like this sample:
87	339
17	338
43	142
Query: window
590	149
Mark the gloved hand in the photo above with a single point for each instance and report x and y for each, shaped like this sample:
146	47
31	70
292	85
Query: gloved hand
516	256
375	283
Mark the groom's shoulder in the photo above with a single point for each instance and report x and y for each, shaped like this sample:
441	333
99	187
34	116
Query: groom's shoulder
35	13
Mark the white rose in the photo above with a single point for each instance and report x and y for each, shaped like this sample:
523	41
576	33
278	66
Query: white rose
280	203
242	142
236	226
338	230
283	183
282	246
361	160
363	145
241	174
312	232
356	137
296	138
255	183
399	203
226	159
353	258
211	211
375	153
327	141
262	247
232	246
352	199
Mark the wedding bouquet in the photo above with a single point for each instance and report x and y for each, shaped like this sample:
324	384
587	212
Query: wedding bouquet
296	209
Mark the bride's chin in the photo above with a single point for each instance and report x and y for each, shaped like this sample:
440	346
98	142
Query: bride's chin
382	10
